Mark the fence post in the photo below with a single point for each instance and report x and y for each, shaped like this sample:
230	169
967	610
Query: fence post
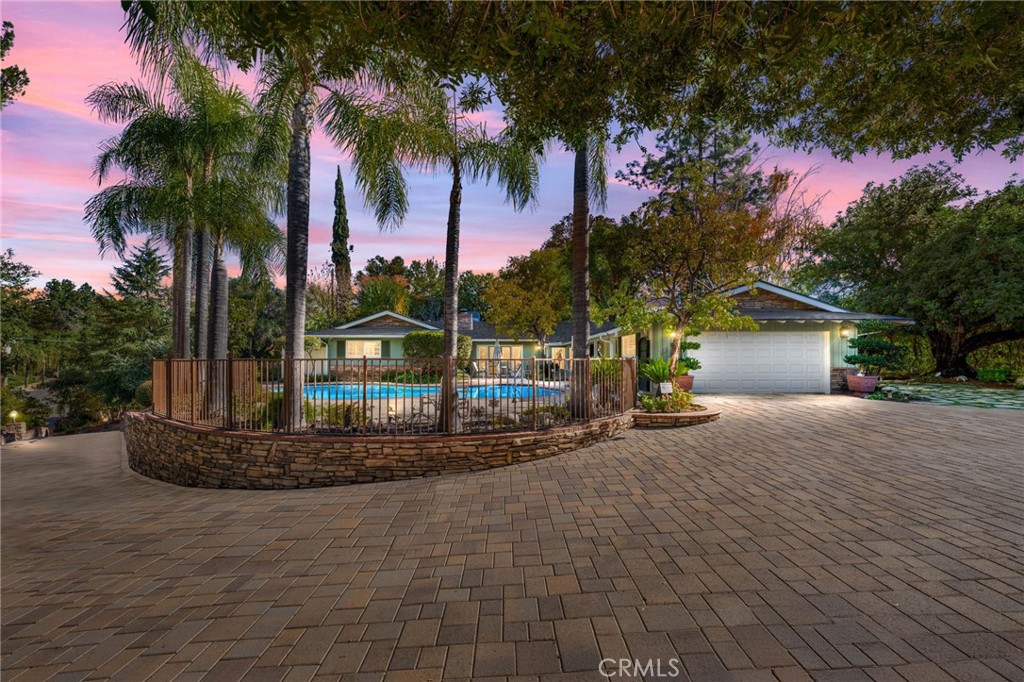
534	393
168	411
366	418
229	397
194	379
287	403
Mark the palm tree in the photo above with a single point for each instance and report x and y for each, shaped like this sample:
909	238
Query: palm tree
160	164
193	160
430	127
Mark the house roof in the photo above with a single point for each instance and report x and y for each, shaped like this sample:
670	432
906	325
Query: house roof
360	328
819	316
789	293
367	332
821	311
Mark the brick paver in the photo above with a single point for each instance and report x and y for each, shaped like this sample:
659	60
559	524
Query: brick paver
798	538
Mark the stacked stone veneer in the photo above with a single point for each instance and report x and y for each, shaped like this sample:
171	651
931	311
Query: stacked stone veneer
209	458
838	378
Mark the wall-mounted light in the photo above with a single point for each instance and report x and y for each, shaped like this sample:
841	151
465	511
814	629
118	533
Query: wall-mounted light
13	414
672	335
846	332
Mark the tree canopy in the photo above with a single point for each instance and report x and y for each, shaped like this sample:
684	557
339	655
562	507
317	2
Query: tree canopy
910	247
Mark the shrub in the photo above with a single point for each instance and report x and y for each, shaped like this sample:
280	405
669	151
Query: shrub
268	415
428	345
687	365
656	370
874	354
341	415
999	375
144	394
605	370
426	376
677	401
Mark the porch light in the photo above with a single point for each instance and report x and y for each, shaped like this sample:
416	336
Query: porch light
846	332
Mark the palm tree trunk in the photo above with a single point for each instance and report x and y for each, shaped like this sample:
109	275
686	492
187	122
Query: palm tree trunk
181	291
219	305
449	413
296	258
204	264
580	395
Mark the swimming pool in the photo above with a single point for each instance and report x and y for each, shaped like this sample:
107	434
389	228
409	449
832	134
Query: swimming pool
386	391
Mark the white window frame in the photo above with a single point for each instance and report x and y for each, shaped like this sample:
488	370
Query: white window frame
352	352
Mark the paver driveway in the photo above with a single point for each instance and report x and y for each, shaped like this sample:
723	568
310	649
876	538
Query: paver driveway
798	537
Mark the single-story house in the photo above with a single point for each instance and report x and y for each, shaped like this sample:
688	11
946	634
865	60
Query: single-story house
798	347
380	336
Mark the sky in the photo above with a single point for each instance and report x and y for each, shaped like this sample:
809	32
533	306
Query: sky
49	138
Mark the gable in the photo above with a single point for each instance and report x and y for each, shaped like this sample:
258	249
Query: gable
767	300
772	297
386	320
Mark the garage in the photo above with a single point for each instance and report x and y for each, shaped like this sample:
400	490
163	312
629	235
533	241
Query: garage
763	362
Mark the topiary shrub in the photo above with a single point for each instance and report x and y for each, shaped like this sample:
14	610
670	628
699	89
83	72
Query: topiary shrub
874	355
430	345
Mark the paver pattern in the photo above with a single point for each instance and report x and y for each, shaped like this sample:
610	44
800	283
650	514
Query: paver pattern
797	538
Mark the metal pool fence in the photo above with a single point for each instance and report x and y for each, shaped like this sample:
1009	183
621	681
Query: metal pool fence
387	397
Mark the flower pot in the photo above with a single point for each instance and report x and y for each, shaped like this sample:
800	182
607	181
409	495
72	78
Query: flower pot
861	385
684	382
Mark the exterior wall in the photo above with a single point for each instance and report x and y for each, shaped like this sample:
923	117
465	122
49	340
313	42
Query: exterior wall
208	458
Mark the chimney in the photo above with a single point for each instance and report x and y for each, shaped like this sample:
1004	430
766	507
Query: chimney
466	321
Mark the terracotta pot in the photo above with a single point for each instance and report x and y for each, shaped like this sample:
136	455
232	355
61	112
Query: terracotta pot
684	382
860	386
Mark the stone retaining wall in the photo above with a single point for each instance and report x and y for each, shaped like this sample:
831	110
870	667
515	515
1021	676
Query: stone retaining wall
654	420
210	458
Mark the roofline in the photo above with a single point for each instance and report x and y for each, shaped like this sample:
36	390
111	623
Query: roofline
789	293
323	335
404	318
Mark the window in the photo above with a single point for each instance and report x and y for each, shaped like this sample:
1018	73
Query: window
629	346
359	349
507	352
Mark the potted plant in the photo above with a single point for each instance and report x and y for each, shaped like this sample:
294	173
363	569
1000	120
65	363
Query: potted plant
873	355
659	373
685	365
684	381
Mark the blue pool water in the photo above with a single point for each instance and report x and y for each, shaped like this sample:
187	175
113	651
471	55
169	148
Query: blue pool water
384	391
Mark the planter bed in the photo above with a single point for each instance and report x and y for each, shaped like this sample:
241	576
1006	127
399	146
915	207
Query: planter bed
655	420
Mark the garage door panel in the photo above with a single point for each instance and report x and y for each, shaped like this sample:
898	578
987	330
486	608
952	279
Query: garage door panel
763	362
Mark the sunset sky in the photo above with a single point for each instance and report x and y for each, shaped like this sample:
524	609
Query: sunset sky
49	140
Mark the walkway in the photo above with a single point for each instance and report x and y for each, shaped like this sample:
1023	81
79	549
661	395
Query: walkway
798	538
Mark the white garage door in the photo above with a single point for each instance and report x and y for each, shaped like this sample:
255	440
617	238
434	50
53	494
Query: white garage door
762	362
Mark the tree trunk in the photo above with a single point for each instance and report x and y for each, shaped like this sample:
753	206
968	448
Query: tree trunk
950	354
181	290
449	397
204	264
580	398
677	346
296	259
219	305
